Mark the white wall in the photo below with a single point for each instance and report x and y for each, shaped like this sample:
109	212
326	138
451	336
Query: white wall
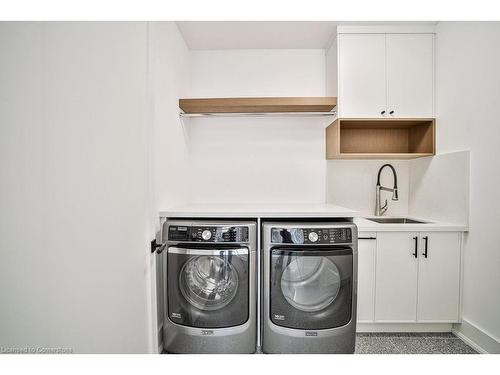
23	270
439	187
169	79
74	223
351	183
230	73
468	93
331	74
257	160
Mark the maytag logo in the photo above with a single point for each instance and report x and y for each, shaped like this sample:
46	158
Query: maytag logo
311	333
207	332
176	315
279	317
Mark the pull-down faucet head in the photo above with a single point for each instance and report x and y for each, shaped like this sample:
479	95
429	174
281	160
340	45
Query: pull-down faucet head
379	209
394	190
395	196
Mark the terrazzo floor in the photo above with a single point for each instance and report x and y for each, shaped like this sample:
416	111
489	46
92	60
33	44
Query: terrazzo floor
411	343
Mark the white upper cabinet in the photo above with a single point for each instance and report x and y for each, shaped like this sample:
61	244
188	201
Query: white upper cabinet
410	75
386	75
362	80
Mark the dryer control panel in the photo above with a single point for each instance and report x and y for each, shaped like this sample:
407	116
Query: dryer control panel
311	236
231	234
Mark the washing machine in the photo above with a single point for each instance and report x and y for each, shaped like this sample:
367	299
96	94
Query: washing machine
309	287
210	286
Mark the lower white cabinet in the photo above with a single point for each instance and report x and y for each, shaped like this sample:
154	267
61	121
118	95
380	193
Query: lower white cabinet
439	277
409	277
367	246
396	280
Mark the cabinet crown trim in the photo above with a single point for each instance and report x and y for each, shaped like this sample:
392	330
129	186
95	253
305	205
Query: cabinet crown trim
422	29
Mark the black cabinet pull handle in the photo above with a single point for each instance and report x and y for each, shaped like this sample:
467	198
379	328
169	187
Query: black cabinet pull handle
158	247
391	112
382	113
415	254
367	238
426	241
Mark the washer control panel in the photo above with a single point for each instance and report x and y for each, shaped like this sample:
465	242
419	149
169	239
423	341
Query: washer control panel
207	233
311	236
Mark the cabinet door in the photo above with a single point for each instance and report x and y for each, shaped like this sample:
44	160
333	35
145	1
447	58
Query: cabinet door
410	75
396	277
367	246
362	81
439	277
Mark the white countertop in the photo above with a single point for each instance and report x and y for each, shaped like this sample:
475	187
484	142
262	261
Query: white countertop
302	210
365	225
291	210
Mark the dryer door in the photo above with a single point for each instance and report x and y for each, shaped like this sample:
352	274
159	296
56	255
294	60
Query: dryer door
310	288
208	287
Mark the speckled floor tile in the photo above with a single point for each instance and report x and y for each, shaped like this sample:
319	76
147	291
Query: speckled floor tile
410	343
432	345
367	344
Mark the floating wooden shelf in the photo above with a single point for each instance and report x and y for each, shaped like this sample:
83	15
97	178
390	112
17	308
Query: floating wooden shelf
258	105
380	138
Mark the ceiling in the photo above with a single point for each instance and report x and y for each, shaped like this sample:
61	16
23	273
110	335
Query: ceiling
256	34
265	34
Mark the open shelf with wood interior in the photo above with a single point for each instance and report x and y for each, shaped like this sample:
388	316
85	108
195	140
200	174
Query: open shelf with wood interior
258	105
380	138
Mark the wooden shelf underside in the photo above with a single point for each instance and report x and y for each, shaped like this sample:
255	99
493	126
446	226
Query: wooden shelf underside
383	155
258	105
384	123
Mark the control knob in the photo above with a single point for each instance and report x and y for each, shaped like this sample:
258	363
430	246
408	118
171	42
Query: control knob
206	235
313	236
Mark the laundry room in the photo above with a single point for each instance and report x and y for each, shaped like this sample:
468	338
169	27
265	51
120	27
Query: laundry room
256	163
262	186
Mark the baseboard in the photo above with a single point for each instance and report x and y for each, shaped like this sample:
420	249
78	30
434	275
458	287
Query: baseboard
476	338
403	327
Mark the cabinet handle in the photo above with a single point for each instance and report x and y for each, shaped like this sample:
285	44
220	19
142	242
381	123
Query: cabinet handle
426	241
415	254
155	246
367	238
382	113
391	112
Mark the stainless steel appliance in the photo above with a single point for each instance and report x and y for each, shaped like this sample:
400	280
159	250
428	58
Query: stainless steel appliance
309	287
210	286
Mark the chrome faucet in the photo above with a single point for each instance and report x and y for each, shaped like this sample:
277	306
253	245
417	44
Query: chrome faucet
380	210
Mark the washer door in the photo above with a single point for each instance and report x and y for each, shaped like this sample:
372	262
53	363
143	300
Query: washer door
310	284
207	287
311	289
208	282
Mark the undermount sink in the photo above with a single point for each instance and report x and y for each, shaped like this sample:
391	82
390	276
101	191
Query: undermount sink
396	220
